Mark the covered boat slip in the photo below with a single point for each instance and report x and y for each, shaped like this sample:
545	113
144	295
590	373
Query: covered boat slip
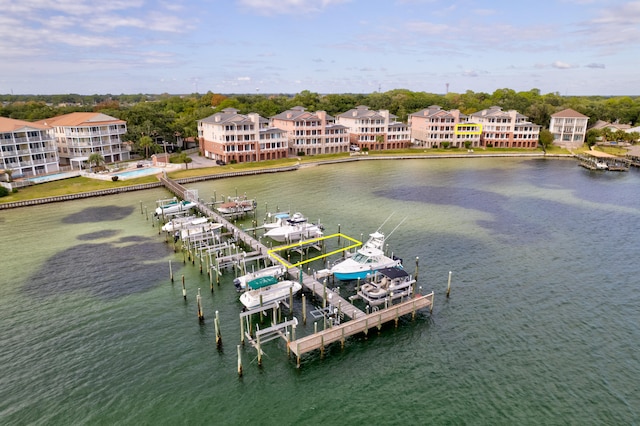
597	160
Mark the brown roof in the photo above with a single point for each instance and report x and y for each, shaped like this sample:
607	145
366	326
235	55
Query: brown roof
80	119
11	125
568	113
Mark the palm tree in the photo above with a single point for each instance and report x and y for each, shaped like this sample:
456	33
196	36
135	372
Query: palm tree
146	143
184	158
96	159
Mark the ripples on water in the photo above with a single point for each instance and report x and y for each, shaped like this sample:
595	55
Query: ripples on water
542	326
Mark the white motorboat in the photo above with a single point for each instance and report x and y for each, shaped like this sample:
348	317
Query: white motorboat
182	222
174	207
601	165
294	229
275	271
236	206
368	259
273	293
276	220
386	284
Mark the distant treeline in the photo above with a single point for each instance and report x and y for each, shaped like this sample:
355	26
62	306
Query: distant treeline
168	116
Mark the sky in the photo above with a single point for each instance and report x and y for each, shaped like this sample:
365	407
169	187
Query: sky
572	47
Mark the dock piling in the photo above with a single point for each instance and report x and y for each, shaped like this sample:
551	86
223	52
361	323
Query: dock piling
239	361
449	285
184	290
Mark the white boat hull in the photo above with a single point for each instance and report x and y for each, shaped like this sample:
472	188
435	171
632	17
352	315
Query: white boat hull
272	271
280	291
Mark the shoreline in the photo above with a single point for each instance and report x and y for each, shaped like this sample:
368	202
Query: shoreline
299	165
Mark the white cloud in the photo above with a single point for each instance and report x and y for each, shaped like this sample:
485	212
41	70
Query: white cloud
244	79
595	65
288	7
561	65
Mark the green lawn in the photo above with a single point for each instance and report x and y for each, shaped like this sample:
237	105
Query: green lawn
81	184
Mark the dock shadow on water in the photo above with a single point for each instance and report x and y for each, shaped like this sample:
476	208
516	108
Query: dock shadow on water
104	269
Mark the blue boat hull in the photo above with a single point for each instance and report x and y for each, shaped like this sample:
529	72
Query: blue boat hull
348	276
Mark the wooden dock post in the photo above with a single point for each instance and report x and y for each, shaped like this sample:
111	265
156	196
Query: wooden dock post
258	347
242	330
146	212
415	275
141	211
184	290
218	335
170	271
239	361
199	306
304	309
449	285
324	293
291	300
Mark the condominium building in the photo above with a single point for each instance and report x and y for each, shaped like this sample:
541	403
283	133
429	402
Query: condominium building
27	149
374	130
311	132
80	134
432	127
505	129
236	138
569	128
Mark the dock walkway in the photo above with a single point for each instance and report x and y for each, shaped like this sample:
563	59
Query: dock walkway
360	322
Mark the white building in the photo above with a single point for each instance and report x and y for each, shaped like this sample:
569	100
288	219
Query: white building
80	134
569	128
27	149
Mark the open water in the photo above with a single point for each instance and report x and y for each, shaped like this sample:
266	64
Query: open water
542	326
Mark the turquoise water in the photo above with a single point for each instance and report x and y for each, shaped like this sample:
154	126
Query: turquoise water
145	171
52	177
542	326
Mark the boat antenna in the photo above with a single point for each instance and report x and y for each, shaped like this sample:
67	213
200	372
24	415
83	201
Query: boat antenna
385	221
401	222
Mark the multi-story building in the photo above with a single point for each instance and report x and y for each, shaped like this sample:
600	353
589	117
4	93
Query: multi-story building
236	138
569	128
312	133
506	129
374	130
433	126
80	134
27	149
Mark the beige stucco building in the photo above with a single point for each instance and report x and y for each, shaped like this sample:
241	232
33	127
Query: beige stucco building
375	130
569	128
432	126
27	149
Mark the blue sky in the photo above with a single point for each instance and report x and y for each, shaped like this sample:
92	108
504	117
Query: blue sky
574	47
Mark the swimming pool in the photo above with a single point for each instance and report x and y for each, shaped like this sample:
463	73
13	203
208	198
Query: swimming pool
52	177
136	173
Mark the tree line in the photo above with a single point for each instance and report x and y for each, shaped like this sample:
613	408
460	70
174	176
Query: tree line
171	116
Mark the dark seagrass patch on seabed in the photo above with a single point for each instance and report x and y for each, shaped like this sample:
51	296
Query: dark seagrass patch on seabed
107	233
107	271
99	214
504	222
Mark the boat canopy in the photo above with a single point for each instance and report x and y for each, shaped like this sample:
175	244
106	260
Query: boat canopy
262	282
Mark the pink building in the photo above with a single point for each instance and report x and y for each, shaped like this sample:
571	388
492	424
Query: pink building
433	126
311	132
375	130
506	129
231	137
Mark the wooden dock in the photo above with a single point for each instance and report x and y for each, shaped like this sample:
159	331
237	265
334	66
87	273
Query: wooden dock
360	321
359	324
